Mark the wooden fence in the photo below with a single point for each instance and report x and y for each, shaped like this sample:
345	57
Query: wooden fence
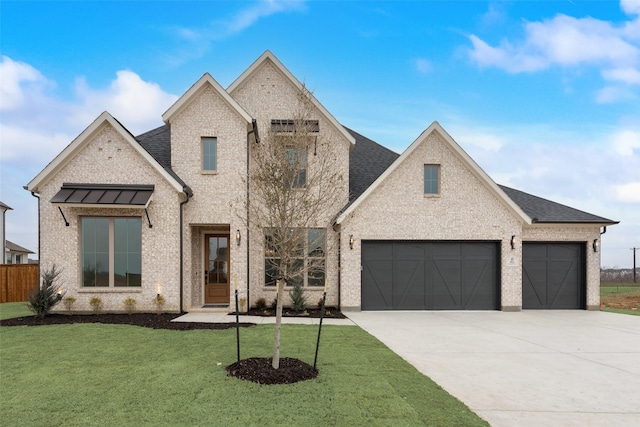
17	281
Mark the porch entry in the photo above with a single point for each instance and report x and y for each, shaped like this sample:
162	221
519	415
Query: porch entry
216	275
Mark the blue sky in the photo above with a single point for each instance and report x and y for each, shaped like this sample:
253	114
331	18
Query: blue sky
544	95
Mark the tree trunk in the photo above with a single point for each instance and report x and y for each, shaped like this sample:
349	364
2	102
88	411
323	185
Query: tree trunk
276	340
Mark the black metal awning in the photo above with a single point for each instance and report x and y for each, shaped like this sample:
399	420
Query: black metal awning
104	195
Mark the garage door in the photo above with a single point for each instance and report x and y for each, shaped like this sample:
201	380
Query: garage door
553	276
429	275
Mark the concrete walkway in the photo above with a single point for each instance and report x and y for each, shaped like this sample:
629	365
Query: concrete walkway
529	368
259	320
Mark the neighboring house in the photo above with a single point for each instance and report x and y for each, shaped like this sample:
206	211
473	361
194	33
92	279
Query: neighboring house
3	237
16	254
428	229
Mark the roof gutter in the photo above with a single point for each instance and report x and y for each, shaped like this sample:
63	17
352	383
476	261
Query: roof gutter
189	194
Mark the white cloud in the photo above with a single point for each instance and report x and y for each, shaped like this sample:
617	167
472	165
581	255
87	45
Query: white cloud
628	193
625	142
136	103
567	41
15	79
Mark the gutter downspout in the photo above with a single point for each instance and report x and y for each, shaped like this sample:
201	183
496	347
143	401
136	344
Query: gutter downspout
188	193
39	253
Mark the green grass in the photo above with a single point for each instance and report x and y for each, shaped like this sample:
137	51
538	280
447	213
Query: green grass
92	374
10	310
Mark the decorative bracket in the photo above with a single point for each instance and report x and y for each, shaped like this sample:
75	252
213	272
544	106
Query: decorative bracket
65	219
148	220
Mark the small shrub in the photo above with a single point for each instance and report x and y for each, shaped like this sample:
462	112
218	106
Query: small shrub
159	302
96	304
261	304
130	305
68	303
274	303
43	299
320	304
298	299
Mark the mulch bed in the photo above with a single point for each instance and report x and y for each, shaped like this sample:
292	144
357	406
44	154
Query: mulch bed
314	313
259	370
145	320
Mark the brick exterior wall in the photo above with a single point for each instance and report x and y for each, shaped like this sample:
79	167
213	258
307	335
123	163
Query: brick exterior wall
108	159
465	210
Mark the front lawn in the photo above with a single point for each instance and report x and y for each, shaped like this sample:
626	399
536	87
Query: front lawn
95	374
9	310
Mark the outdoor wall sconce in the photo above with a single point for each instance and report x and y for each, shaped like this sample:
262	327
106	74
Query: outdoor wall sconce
351	241
596	245
513	241
238	237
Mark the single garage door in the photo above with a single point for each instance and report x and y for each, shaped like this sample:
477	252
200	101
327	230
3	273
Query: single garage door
401	275
553	276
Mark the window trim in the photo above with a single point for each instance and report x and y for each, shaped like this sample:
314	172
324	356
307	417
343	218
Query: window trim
111	255
204	139
438	169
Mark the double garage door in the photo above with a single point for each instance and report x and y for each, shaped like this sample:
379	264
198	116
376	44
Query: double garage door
401	275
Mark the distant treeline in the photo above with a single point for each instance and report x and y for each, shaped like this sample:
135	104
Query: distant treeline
618	275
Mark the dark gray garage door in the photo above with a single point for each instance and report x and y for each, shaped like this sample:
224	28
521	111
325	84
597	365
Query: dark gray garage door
553	275
429	275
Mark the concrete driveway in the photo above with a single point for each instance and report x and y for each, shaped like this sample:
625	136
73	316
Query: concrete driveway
529	368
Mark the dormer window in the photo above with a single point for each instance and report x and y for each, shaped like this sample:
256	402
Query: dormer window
209	154
431	180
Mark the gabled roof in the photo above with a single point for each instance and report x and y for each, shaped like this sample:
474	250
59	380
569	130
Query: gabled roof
267	56
545	211
205	80
462	155
105	119
12	247
5	207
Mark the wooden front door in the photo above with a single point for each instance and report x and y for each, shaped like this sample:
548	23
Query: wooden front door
216	275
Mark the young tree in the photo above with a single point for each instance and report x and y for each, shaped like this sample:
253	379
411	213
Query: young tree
295	190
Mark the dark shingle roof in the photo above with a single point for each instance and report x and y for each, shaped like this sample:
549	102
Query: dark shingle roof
12	247
367	162
545	211
157	142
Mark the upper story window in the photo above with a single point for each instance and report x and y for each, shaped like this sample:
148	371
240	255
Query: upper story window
209	154
111	251
298	160
431	180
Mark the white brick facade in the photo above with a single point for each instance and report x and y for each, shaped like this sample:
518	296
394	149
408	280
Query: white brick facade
470	207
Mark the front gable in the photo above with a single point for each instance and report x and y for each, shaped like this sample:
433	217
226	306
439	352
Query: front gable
467	195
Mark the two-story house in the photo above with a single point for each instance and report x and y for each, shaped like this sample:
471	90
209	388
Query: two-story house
127	216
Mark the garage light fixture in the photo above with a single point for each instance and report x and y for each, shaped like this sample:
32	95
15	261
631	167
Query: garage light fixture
238	237
596	245
351	241
513	241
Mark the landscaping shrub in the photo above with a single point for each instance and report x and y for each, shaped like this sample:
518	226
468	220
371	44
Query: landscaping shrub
130	305
96	304
42	300
68	303
298	299
159	302
261	303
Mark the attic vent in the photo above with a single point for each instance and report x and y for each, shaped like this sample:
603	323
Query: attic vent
289	125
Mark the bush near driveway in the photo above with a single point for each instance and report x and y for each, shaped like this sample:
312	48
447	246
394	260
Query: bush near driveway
94	374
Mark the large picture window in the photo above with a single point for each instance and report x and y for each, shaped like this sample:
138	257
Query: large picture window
307	266
111	252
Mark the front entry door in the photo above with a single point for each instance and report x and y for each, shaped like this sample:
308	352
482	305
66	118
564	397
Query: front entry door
216	276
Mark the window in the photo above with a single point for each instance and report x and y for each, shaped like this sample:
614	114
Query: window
111	252
209	154
307	265
431	179
298	161
19	259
